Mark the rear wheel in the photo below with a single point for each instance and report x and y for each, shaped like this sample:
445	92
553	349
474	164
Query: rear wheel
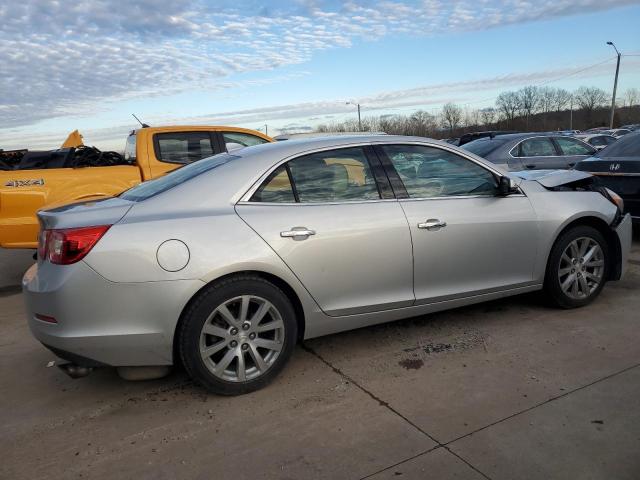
577	268
238	335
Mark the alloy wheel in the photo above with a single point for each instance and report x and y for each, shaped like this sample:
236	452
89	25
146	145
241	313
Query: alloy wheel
581	268
242	338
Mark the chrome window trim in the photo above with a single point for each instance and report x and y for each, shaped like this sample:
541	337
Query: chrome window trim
461	197
246	198
550	156
249	193
350	202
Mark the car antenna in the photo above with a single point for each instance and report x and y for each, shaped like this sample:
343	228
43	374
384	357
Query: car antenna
144	125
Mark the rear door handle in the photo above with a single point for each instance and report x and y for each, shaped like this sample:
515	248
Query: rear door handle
298	233
530	166
432	224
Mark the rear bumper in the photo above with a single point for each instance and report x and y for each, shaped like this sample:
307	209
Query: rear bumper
102	322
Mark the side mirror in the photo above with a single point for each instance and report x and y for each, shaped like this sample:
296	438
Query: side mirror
506	186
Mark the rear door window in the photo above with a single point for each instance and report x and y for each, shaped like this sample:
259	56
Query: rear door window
342	175
182	147
573	146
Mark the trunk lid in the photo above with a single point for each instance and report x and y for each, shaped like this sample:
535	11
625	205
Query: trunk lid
610	166
88	212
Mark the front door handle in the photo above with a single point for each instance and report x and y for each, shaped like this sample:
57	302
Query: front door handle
432	224
298	233
530	166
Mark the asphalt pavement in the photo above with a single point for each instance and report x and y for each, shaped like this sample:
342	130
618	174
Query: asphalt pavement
509	389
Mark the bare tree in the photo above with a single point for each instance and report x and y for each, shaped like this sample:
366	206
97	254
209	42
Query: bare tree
562	99
451	116
546	99
471	117
631	97
528	100
508	103
590	98
421	123
488	116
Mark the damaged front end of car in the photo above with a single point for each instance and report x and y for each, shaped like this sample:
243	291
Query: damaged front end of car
574	180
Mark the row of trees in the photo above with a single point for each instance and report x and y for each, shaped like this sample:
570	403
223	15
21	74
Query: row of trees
531	108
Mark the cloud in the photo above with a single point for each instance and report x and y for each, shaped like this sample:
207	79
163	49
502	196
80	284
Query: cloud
307	115
73	58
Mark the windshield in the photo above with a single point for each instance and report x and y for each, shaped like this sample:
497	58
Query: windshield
483	146
627	146
154	187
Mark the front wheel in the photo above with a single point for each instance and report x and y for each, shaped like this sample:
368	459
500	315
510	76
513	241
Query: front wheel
577	268
238	335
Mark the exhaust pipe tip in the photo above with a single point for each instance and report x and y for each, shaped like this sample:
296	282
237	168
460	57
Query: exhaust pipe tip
75	371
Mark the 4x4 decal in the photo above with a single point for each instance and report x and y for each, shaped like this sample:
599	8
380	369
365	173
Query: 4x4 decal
25	183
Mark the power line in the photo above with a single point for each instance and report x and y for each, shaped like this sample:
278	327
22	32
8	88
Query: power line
546	82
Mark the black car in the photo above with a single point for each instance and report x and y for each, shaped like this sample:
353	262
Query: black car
618	168
470	137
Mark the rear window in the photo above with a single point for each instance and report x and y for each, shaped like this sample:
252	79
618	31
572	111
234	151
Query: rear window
154	187
182	147
483	146
627	146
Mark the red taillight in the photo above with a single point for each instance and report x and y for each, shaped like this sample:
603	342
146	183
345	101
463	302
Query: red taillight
69	245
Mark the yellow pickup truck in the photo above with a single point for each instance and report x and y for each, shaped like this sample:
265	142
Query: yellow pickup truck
150	152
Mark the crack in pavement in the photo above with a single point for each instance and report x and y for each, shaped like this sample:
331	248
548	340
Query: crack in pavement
447	444
386	405
552	399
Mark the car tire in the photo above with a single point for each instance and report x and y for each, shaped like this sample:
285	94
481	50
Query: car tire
573	268
237	335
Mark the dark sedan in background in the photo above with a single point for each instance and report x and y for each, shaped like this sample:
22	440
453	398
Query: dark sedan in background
531	151
618	168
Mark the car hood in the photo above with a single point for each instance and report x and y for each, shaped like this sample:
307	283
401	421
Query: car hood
553	178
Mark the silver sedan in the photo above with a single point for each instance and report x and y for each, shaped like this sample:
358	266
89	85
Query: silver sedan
224	264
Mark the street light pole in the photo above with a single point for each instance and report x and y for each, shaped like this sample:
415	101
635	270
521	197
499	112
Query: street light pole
615	86
571	114
359	119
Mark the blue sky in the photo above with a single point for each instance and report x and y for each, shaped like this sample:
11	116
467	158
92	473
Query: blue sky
89	64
